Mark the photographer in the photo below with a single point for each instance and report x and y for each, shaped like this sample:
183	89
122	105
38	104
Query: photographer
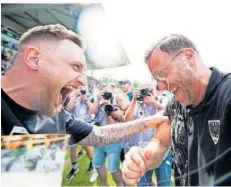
126	87
123	103
78	105
103	111
144	104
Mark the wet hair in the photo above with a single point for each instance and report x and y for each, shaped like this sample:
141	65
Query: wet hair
171	44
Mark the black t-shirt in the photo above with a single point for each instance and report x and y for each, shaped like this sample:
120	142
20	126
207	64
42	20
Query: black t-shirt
19	120
201	136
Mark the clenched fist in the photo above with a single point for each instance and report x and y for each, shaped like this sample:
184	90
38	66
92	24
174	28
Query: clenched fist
139	160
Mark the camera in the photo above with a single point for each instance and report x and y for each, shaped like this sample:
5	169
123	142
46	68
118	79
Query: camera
107	95
109	109
143	93
83	92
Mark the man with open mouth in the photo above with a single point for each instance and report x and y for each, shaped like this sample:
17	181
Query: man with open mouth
49	65
200	115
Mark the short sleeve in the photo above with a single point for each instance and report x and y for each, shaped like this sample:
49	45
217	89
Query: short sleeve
77	128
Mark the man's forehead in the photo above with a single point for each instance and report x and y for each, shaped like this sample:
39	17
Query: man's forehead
72	52
125	83
157	58
107	88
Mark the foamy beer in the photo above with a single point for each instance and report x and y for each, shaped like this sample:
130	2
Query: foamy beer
33	160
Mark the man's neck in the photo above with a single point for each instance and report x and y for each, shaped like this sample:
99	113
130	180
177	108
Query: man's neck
203	82
17	89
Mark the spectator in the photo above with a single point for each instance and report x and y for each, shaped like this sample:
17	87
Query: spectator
79	107
5	63
113	87
147	106
122	101
111	151
126	87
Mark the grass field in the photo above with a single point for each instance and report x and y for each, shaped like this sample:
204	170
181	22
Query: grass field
82	177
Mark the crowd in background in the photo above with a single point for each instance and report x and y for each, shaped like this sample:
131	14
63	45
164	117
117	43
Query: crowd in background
8	51
115	105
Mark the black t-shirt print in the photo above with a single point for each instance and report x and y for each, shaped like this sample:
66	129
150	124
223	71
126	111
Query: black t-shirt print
19	120
178	116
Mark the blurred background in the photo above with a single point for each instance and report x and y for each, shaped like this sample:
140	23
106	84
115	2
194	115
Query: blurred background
119	32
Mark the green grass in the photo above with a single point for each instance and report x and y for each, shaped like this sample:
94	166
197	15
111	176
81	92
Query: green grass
82	177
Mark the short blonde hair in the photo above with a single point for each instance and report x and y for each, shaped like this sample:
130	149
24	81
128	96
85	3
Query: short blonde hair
52	31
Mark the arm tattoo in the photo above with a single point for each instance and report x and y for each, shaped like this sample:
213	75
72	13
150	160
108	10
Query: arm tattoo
106	135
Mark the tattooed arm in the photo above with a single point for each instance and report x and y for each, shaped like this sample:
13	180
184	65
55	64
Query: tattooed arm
106	135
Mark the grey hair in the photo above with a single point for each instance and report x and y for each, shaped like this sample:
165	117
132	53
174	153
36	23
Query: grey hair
171	44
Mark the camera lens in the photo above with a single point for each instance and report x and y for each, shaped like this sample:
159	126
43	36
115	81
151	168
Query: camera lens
144	92
109	109
83	92
107	95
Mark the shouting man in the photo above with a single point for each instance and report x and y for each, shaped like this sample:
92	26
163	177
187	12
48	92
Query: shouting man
49	65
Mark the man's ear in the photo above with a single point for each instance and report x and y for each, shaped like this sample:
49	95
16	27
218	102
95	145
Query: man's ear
32	57
190	55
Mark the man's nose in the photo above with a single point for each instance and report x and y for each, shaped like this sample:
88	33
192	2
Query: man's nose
80	80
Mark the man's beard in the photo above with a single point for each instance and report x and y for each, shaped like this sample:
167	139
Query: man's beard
46	108
50	110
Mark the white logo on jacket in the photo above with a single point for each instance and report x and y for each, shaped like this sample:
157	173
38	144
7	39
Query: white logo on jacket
214	130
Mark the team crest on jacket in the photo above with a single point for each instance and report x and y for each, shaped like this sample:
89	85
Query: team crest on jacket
214	130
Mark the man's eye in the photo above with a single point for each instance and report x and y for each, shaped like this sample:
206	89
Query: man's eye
76	67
